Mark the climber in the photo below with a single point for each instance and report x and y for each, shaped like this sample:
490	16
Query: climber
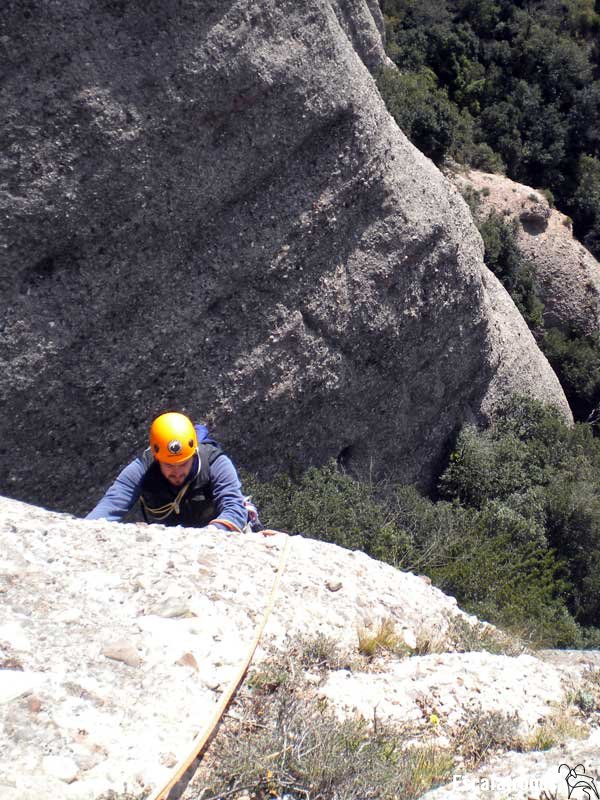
182	478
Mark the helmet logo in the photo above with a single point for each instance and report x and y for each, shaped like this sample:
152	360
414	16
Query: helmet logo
174	447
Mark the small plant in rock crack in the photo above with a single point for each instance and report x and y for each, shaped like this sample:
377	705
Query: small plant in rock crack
558	727
592	677
585	700
482	732
465	636
269	676
381	639
588	696
460	635
320	652
290	742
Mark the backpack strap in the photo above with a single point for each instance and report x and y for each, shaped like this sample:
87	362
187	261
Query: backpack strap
147	459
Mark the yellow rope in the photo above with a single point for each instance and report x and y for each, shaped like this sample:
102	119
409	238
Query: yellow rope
202	738
162	512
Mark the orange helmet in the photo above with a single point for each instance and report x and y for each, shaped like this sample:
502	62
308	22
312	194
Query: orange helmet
173	438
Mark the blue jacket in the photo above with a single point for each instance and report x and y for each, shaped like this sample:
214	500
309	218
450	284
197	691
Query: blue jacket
226	489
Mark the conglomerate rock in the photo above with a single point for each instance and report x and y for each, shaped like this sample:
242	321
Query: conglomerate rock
206	206
117	641
523	776
567	274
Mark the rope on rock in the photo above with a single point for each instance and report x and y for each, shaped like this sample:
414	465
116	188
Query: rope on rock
204	736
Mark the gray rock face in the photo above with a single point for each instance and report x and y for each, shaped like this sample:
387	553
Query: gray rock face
206	206
510	347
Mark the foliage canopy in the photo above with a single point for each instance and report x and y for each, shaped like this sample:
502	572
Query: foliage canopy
514	534
503	86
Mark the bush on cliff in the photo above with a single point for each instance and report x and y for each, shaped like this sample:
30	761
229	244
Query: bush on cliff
576	361
329	505
517	274
585	202
425	114
574	357
511	537
532	461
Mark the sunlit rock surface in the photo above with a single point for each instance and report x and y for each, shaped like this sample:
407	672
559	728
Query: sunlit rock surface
116	642
207	206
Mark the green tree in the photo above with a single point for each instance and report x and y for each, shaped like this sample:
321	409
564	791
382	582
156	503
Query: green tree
586	202
518	586
531	476
424	112
329	505
573	525
511	86
584	123
583	18
576	360
504	258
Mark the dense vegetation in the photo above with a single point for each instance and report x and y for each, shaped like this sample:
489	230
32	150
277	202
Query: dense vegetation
514	534
504	86
575	357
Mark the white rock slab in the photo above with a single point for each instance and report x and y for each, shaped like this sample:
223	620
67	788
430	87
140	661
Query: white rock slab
14	633
84	587
15	684
522	776
446	684
61	768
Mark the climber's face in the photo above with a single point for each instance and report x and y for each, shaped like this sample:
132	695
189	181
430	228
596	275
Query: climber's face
176	474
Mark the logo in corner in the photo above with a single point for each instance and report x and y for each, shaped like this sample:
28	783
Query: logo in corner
577	779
